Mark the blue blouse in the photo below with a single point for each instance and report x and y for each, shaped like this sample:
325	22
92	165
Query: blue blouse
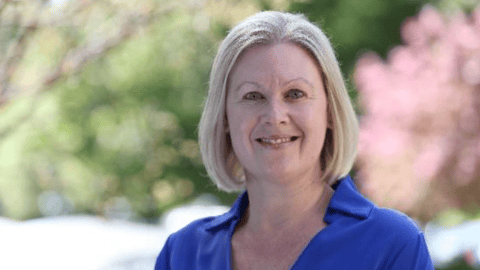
359	236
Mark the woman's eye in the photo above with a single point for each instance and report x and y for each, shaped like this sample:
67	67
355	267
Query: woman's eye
253	96
295	94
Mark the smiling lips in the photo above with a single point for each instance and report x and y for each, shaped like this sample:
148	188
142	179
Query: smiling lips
276	140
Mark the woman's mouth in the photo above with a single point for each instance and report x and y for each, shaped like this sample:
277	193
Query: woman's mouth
276	141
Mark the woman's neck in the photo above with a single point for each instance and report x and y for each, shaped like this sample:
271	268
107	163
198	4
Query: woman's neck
275	207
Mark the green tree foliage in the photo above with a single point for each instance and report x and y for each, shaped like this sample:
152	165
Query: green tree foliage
100	103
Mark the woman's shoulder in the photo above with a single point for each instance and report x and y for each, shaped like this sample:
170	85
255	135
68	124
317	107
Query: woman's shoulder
348	202
203	241
203	229
406	248
393	221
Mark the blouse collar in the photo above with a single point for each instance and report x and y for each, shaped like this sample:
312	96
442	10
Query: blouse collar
345	202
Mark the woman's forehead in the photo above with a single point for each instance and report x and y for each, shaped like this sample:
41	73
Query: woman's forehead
268	63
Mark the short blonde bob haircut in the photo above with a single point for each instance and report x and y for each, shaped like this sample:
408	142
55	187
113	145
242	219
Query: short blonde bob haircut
269	28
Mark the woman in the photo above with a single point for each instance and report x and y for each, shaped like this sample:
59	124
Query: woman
278	122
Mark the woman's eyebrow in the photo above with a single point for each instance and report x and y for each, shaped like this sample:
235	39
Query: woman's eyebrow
286	83
247	82
300	79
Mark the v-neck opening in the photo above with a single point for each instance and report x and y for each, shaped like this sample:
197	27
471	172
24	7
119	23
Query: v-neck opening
316	235
292	266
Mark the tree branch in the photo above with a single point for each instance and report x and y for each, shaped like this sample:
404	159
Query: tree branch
11	62
74	61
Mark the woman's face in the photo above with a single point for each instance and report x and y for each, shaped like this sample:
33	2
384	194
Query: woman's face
277	112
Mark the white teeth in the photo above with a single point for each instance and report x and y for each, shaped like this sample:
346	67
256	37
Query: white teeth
275	141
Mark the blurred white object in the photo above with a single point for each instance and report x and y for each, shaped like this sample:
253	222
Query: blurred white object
447	244
90	243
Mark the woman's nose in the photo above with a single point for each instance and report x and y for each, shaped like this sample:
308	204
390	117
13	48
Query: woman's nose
276	113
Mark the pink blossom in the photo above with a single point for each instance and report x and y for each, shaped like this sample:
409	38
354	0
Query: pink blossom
430	159
471	70
412	33
431	21
419	144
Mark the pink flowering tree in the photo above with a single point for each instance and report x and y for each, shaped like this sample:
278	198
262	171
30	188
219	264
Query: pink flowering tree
419	148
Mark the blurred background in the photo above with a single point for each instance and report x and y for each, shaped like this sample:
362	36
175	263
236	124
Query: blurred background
100	101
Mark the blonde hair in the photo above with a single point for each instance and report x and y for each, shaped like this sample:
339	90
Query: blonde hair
267	28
